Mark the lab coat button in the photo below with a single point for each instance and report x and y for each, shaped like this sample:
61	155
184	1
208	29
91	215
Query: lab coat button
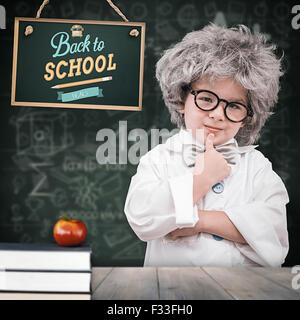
217	238
218	188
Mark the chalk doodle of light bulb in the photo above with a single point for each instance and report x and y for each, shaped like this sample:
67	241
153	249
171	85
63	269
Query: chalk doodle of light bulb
188	16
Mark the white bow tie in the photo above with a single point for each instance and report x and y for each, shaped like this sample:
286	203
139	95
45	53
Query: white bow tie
229	151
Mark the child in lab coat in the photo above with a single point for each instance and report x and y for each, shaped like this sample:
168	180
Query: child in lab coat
207	197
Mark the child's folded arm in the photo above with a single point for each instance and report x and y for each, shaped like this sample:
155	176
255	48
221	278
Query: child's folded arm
262	222
155	204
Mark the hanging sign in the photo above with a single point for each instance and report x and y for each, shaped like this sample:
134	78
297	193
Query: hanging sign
78	64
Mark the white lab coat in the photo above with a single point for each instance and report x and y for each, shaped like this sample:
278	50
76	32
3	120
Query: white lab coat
160	200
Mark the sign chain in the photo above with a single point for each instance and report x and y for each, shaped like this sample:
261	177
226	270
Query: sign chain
29	29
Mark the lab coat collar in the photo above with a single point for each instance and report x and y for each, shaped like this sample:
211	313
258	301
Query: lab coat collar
175	143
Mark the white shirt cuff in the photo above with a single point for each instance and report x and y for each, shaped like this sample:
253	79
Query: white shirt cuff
182	192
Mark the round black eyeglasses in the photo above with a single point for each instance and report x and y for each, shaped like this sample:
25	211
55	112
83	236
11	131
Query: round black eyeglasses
234	111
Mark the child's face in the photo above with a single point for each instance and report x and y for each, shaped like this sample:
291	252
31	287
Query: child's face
214	121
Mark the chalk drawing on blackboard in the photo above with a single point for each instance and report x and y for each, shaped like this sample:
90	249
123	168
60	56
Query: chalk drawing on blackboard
86	215
26	237
115	167
91	118
220	19
92	10
34	205
41	134
116	236
284	175
103	214
49	11
67	119
46	228
281	10
119	205
188	16
85	192
210	9
133	251
284	162
265	137
166	31
261	9
92	227
72	163
89	142
164	8
56	173
33	217
107	215
90	215
40	181
18	182
138	11
59	198
111	185
257	29
17	218
282	30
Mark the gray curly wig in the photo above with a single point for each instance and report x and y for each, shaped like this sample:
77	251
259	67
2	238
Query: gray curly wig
220	52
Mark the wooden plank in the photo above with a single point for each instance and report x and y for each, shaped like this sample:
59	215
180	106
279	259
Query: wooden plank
128	284
189	283
282	276
98	275
243	284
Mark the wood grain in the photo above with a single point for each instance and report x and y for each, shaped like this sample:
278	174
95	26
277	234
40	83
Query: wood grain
281	276
98	275
128	283
189	283
244	284
193	283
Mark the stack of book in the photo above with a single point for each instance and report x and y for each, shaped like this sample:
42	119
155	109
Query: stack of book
45	272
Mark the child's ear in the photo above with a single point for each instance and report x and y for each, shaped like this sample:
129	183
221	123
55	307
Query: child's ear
244	122
181	110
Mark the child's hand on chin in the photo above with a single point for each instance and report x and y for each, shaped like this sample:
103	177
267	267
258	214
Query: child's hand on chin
211	165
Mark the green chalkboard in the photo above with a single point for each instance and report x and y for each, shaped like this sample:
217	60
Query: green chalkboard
78	64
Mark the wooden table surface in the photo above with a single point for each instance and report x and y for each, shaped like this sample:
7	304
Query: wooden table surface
193	283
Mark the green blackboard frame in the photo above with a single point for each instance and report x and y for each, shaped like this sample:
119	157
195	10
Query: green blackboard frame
18	77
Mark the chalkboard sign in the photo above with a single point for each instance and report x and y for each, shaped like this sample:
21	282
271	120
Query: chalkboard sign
78	64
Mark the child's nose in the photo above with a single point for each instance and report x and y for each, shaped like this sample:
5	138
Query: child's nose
218	113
